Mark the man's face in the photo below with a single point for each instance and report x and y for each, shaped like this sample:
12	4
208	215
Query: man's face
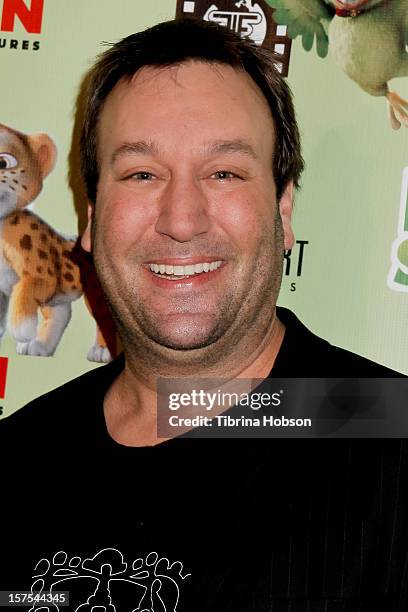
186	232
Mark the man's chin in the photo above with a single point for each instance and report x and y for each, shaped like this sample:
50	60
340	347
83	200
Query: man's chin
184	346
183	342
185	337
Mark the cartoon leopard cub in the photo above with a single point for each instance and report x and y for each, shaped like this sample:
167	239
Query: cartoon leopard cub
38	266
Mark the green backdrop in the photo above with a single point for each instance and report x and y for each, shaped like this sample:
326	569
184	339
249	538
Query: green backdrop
346	212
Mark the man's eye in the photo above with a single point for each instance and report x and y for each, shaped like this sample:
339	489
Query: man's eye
142	176
224	175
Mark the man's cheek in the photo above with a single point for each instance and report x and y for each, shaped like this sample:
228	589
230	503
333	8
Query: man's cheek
239	221
125	223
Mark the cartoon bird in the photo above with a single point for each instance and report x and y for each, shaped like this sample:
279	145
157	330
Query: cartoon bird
367	38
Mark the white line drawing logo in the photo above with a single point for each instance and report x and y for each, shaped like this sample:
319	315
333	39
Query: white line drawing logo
398	275
249	23
107	583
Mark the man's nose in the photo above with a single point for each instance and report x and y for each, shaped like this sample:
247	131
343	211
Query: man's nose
183	210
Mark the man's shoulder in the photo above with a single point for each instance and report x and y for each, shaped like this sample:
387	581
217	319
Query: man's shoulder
72	403
304	354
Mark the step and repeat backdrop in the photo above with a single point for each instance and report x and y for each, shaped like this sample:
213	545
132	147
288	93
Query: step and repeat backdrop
347	274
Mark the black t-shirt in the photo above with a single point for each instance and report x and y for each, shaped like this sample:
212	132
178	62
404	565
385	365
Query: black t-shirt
260	525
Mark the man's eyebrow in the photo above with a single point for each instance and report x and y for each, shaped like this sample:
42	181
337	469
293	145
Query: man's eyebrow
215	147
141	147
230	146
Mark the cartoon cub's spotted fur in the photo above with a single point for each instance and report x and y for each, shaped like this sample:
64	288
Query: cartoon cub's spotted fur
39	268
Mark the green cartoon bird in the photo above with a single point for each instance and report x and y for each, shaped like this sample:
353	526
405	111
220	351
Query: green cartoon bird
367	38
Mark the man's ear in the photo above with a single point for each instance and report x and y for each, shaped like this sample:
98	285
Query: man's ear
86	239
285	209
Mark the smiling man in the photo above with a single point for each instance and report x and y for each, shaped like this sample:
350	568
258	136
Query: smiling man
193	198
194	279
190	155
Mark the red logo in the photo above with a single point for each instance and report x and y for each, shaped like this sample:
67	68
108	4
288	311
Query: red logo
30	17
3	376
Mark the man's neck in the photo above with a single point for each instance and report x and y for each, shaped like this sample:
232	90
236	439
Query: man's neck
130	404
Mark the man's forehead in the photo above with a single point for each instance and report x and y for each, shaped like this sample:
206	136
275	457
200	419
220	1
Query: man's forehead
223	107
216	77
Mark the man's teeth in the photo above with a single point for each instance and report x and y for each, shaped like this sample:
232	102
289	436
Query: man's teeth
185	270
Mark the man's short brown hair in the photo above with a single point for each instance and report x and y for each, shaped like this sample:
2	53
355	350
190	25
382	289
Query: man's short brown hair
177	41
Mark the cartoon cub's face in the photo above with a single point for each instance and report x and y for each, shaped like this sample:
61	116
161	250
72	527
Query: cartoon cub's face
24	163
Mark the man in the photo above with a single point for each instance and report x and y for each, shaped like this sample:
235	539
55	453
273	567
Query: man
190	154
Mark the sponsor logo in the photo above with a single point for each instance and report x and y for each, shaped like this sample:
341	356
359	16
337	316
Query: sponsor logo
3	376
398	274
293	261
250	18
30	17
21	14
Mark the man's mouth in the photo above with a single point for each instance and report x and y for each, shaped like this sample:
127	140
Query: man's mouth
178	272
